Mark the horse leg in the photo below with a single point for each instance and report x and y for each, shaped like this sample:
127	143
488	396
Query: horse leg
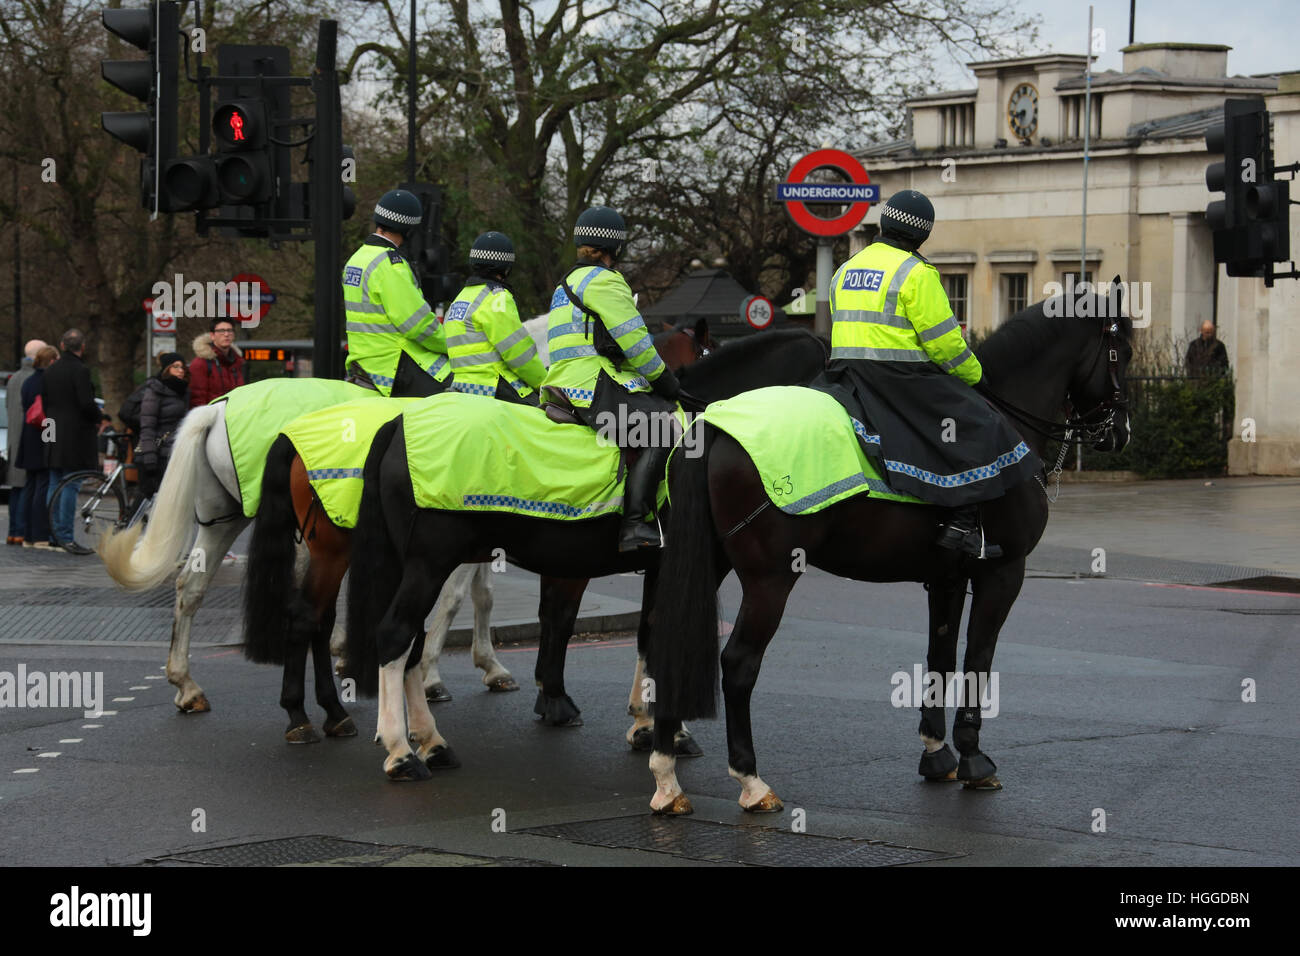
444	612
293	686
495	675
432	749
326	578
557	611
192	584
995	590
395	645
761	607
947	598
669	799
640	736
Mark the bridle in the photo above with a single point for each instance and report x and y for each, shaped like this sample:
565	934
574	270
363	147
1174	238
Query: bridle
700	346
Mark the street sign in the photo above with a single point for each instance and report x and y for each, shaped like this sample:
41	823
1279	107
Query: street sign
757	311
163	343
162	322
253	299
859	193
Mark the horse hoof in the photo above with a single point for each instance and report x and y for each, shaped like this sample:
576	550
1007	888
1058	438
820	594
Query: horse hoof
643	738
557	711
939	765
686	747
437	694
302	734
975	767
409	767
949	777
343	728
987	783
769	803
502	685
442	758
679	807
196	705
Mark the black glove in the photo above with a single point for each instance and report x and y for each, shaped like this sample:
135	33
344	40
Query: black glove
691	403
666	385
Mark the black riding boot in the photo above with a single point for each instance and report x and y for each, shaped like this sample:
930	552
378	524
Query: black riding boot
963	533
640	529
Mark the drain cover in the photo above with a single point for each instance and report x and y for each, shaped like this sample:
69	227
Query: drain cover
331	851
1263	582
725	843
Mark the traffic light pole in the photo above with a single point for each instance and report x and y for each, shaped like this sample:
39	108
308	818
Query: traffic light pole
327	207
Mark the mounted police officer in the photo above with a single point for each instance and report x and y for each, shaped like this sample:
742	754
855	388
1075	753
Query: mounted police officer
603	359
387	316
900	366
491	352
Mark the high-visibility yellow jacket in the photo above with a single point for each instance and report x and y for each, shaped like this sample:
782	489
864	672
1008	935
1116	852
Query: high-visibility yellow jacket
570	336
387	315
888	305
486	341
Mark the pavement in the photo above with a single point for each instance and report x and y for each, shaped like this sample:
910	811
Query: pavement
1147	717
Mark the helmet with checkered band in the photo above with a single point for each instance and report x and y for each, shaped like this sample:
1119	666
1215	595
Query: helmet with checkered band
398	211
602	228
907	214
492	254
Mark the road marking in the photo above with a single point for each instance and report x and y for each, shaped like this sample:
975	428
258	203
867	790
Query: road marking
71	740
154	677
140	687
599	645
50	753
28	770
91	726
107	713
122	700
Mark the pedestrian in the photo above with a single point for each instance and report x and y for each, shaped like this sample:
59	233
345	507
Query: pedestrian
76	419
166	400
16	477
33	452
387	315
1206	355
491	352
218	365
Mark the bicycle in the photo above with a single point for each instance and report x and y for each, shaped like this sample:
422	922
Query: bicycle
101	499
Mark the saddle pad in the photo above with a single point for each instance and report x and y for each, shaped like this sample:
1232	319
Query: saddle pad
804	445
467	454
333	444
256	413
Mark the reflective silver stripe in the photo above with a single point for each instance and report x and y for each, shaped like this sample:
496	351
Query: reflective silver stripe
370	308
472	337
653	364
619	331
523	358
956	360
511	340
576	351
896	285
875	318
365	276
368	327
943	328
568	328
465	361
634	350
414	320
880	355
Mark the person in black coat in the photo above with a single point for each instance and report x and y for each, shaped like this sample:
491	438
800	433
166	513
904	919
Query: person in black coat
69	401
32	454
166	400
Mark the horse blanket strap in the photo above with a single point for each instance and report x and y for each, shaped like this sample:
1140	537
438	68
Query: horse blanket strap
752	515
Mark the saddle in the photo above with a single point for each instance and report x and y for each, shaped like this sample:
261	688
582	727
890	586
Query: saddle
558	408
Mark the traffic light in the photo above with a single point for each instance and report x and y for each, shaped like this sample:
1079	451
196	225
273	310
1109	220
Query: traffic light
243	160
152	131
1250	223
425	248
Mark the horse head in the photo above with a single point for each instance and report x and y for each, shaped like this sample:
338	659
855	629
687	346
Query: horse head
1097	392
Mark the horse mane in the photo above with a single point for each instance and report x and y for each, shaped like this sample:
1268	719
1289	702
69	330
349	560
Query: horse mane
741	352
1031	332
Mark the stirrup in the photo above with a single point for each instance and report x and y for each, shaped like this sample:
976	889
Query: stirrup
970	542
635	535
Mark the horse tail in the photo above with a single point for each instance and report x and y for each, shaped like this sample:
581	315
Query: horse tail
172	519
375	570
269	583
682	656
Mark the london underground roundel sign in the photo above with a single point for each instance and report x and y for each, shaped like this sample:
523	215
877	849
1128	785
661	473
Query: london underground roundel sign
859	192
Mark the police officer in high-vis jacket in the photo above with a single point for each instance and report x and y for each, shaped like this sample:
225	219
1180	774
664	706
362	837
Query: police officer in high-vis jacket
491	352
901	367
386	311
602	357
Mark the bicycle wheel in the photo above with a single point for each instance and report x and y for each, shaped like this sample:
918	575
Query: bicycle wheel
100	506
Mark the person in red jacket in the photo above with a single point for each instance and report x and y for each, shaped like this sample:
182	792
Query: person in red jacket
218	366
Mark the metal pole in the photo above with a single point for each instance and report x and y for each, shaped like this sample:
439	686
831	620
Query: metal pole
327	207
1087	130
410	102
18	279
825	269
1132	14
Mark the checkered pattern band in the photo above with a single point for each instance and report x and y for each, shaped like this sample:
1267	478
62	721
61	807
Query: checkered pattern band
906	218
599	232
396	216
492	254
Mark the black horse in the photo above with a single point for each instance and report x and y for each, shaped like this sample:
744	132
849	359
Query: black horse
401	556
1036	365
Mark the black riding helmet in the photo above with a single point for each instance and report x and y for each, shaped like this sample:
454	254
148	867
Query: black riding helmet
492	254
602	228
398	211
909	215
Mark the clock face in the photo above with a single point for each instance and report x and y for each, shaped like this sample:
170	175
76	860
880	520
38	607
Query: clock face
1022	111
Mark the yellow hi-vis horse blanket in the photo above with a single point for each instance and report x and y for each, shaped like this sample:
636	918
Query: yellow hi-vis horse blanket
256	413
804	445
333	444
465	454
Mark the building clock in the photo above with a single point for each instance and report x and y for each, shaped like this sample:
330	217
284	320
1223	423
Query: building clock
1022	111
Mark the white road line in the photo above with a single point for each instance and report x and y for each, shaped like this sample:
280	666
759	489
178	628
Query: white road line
91	726
28	770
106	713
154	677
141	687
123	700
50	753
71	740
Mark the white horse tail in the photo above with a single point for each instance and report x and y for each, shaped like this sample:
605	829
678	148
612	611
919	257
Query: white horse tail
171	521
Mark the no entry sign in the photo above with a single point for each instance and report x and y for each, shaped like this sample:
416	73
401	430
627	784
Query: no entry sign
859	192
